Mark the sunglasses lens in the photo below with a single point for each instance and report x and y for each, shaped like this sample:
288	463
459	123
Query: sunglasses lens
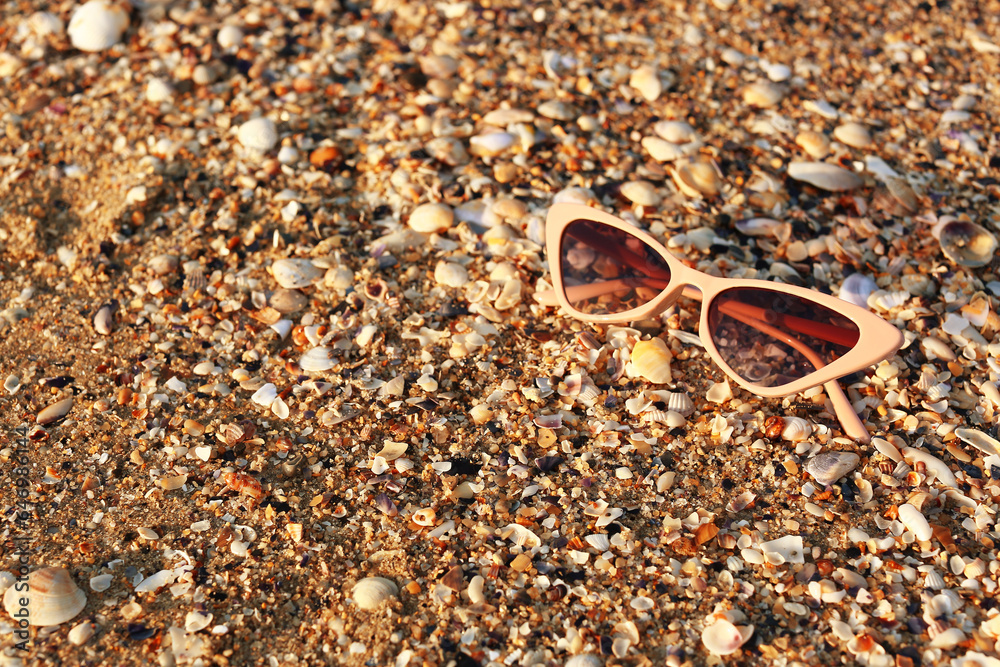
606	270
772	338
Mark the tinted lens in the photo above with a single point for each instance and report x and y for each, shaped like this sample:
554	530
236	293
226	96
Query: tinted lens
771	338
606	270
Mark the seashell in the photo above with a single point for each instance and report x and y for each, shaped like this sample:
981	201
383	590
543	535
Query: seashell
549	421
915	522
448	150
964	242
12	384
196	621
229	37
855	135
865	490
101	582
763	94
646	80
856	289
651	360
599	541
948	639
244	484
279	408
56	411
796	429
990	392
935	348
662	150
789	548
557	110
371	592
724	638
759	226
423	517
675	131
824	176
97	25
265	395
509	296
505	117
431	218
385	505
491	143
53	597
585	660
438	67
158	90
738	504
451	274
978	439
317	359
696	179
258	134
642	193
887	449
81	633
719	392
104	319
295	273
676	401
828	467
155	582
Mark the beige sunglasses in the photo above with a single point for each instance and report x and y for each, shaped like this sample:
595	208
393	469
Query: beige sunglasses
772	339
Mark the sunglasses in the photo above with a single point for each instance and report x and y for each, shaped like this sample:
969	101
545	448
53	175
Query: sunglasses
770	338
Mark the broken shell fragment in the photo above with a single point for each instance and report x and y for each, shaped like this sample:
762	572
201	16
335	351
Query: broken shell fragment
53	597
824	176
828	467
697	179
966	243
295	273
371	592
651	360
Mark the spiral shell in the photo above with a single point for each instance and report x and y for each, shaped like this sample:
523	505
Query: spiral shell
53	597
371	592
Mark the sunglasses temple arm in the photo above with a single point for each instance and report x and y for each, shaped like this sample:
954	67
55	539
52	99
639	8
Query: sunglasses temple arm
577	293
853	426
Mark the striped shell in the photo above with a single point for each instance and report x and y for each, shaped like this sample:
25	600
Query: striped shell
53	597
371	592
651	360
675	400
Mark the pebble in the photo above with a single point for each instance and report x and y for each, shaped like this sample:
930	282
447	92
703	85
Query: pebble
287	301
450	274
229	37
159	90
828	467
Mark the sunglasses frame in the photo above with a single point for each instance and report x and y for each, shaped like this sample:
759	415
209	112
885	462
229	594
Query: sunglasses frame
877	339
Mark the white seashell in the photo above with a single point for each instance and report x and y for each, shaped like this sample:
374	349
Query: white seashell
887	449
788	547
824	176
450	274
677	401
317	359
646	80
196	621
948	639
147	533
258	134
932	463
642	193
855	135
279	408
53	597
448	150
557	110
856	289
296	273
81	633
599	541
371	592
676	131
98	25
509	296
964	242
759	226
642	603
935	348
505	117
719	392
651	360
698	178
156	581
101	582
796	429
916	522
57	410
229	37
724	638
886	301
365	335
265	395
491	143
816	144
103	320
481	413
159	90
662	150
431	218
12	384
282	328
438	67
763	94
476	590
585	660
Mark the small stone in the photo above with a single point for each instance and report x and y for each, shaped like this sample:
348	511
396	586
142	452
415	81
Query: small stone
828	467
288	301
161	265
258	134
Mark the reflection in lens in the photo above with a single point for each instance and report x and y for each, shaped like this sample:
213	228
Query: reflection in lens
771	338
606	270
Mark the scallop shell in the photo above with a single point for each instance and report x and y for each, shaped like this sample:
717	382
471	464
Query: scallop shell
796	429
371	592
824	176
856	289
677	401
966	243
317	359
651	359
53	597
599	541
97	25
723	638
